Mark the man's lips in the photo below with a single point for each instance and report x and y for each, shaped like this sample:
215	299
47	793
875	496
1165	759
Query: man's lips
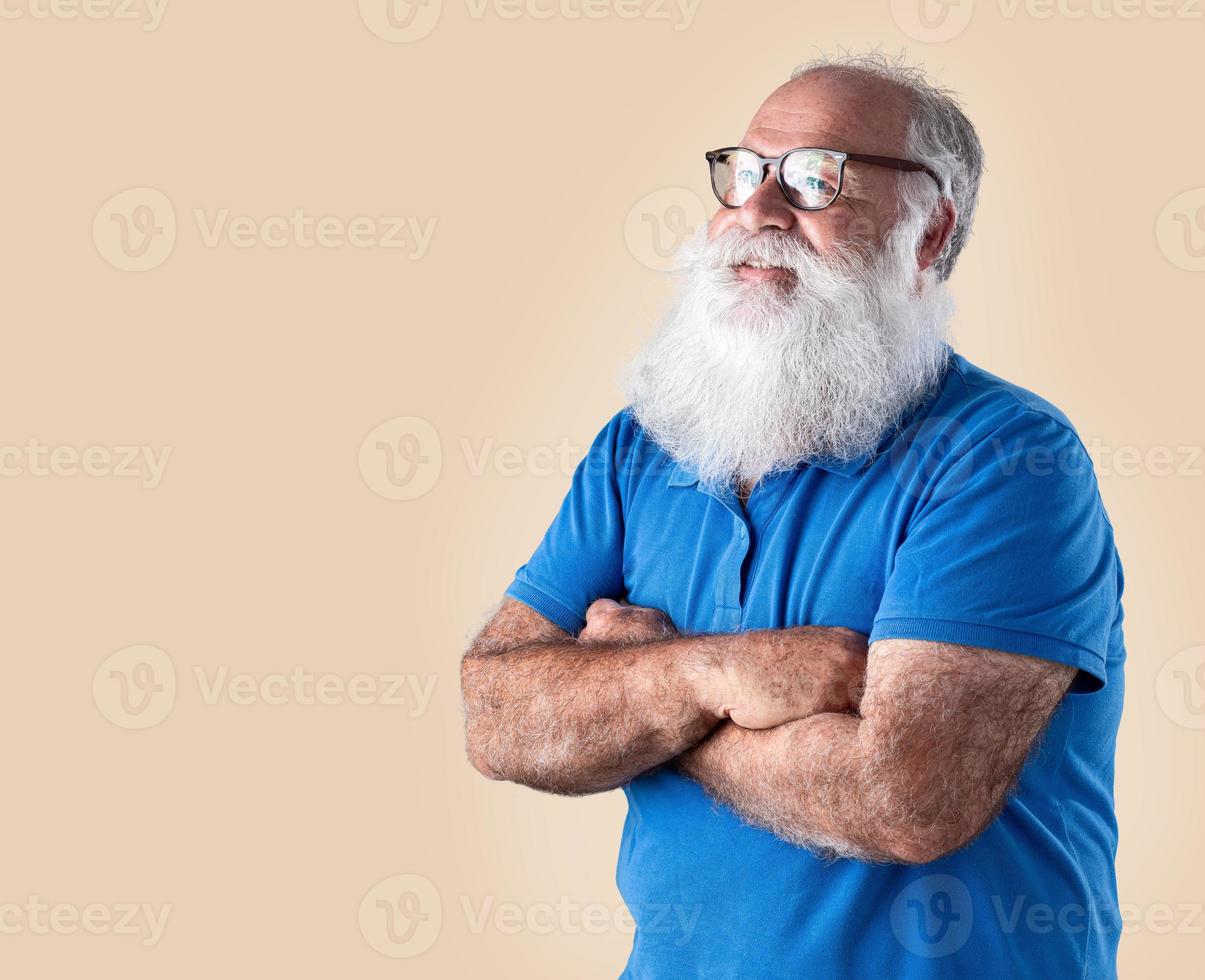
774	274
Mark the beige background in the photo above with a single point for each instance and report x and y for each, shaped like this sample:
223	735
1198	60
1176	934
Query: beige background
549	162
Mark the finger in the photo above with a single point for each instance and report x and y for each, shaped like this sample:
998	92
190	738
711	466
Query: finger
601	606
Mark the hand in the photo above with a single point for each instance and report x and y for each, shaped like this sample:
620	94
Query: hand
766	678
608	621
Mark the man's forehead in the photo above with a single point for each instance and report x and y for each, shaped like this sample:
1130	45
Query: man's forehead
845	112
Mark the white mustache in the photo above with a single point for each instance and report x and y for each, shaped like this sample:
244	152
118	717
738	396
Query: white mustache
740	247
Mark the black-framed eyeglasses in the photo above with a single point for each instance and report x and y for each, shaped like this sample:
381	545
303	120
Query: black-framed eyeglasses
810	177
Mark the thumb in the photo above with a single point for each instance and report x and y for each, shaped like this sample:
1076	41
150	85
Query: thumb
600	606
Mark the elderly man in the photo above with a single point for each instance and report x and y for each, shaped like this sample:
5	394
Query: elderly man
837	609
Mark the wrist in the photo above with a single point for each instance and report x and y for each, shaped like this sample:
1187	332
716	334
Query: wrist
706	673
716	680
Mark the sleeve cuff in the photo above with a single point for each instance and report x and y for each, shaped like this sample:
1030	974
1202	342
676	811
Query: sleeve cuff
546	606
1091	665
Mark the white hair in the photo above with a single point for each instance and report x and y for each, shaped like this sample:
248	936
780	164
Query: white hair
939	135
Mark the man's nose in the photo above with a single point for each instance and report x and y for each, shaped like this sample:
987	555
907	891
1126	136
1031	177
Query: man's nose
767	208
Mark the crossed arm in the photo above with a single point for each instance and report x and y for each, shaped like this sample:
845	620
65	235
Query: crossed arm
774	723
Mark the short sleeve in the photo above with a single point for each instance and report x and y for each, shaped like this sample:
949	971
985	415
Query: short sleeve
580	558
1010	549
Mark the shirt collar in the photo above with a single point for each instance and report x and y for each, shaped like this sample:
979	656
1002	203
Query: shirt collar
681	475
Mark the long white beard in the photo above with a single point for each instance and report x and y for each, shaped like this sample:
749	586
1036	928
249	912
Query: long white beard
747	379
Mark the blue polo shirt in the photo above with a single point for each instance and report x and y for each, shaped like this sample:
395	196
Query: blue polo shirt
978	522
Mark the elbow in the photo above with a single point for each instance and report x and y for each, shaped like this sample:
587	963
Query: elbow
926	824
924	843
477	728
920	849
480	760
483	752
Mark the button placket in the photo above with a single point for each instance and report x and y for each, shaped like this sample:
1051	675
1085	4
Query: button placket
728	581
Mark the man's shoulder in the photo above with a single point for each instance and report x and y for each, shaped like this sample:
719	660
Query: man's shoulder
982	402
627	446
983	428
620	430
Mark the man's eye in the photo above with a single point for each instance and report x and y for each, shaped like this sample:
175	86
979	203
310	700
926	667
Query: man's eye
746	177
814	183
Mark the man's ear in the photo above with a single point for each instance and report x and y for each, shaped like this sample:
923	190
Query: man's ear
938	232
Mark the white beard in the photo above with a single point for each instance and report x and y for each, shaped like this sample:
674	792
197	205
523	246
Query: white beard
748	379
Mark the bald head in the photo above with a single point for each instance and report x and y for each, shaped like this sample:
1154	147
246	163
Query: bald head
851	111
868	104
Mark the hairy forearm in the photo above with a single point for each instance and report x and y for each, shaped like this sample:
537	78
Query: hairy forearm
943	733
811	782
571	717
585	715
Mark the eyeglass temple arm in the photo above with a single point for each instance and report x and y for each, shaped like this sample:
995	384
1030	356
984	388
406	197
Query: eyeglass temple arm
895	163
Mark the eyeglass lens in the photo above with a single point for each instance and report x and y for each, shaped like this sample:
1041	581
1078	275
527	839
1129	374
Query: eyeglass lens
811	177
